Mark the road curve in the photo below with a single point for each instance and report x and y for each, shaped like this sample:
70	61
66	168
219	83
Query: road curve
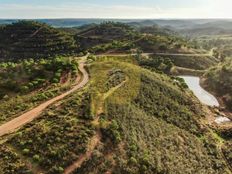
29	116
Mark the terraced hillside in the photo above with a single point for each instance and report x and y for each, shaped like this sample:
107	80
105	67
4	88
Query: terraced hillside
127	120
113	37
104	34
29	39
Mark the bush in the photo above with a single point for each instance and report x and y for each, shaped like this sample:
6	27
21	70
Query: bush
36	158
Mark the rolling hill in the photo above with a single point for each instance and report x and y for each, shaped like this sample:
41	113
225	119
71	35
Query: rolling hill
128	120
111	37
29	39
110	111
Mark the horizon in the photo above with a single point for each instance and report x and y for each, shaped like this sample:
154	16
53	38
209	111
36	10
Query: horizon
83	18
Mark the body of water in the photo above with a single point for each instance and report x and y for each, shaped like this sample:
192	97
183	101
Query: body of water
221	119
204	96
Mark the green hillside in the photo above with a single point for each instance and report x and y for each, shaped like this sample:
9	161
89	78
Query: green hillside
104	34
29	39
195	62
115	110
26	84
219	80
140	121
152	125
111	37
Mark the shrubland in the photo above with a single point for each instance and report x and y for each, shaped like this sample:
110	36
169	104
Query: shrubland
29	39
150	124
27	83
218	80
58	138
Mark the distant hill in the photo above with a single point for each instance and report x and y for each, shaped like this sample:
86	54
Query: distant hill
69	22
106	33
29	39
175	23
213	27
115	37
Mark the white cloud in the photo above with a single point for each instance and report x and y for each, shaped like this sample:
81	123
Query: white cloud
212	9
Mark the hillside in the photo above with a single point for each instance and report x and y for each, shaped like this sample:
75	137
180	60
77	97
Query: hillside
26	84
113	37
116	110
127	120
218	80
211	27
105	33
29	39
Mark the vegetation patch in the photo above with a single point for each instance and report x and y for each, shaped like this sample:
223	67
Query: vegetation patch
10	162
58	138
218	79
29	39
151	125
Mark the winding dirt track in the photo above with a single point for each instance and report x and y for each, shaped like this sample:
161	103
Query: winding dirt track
29	116
95	140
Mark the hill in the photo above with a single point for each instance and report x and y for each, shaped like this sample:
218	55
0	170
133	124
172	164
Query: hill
29	39
111	37
218	80
106	35
213	27
128	120
26	84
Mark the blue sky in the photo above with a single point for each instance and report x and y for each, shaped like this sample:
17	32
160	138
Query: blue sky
115	9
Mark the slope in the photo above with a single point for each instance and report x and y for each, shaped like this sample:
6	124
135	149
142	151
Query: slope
218	80
29	39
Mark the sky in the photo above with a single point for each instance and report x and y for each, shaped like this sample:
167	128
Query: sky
144	9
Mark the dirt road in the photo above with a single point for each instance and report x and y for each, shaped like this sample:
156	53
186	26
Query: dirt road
97	138
27	117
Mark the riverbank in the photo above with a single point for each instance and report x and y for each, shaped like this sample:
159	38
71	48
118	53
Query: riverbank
204	96
217	114
180	71
222	106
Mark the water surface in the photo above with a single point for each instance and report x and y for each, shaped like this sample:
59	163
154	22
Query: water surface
204	96
221	119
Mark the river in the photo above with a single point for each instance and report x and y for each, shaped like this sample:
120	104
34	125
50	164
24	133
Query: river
204	96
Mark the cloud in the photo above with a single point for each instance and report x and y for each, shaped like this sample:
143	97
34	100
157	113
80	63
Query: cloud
217	8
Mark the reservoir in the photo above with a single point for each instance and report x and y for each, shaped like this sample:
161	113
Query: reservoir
204	96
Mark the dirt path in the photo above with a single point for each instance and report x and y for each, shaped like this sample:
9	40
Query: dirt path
93	143
97	138
27	117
